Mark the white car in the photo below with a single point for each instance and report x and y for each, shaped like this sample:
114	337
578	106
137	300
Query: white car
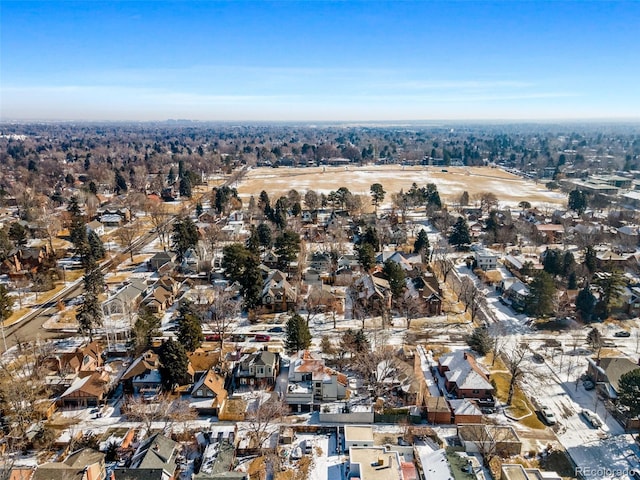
547	415
592	418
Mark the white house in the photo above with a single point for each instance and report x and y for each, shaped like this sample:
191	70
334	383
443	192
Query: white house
486	259
311	382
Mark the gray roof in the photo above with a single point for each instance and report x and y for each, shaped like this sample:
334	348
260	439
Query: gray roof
139	474
615	367
156	452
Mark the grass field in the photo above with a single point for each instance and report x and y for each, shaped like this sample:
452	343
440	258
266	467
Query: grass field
451	182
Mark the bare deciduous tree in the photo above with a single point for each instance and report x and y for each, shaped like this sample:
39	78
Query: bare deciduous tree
513	361
127	235
212	238
382	369
159	215
490	440
442	262
260	419
471	297
162	409
223	310
412	306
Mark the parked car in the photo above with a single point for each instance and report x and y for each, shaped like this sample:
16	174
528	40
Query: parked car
588	385
592	418
213	337
538	358
276	330
622	333
261	337
238	337
547	415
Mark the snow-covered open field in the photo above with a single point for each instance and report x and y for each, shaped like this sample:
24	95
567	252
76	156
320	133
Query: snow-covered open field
451	181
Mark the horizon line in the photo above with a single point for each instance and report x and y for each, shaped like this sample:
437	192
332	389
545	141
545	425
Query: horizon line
337	121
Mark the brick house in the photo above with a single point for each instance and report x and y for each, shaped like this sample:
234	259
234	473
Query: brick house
464	377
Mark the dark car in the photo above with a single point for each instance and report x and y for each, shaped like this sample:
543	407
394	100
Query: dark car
260	337
622	333
588	385
214	337
276	330
538	358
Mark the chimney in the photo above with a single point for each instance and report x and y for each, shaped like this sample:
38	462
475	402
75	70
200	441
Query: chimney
380	461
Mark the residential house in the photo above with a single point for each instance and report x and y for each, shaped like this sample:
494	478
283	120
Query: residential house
631	297
160	259
191	260
437	410
366	463
358	436
307	216
257	369
349	260
311	382
155	459
408	261
278	295
629	237
429	290
126	299
169	284
320	261
486	259
612	257
218	460
606	373
373	292
338	220
88	390
85	464
95	227
159	299
21	473
169	194
270	259
501	439
326	298
84	360
209	386
24	260
143	375
518	264
464	377
311	276
210	216
113	216
465	411
235	231
550	232
475	230
515	471
515	291
344	276
202	360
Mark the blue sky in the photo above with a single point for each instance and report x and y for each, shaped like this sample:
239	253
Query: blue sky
312	60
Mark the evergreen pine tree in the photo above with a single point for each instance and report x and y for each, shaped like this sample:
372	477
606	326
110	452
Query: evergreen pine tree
190	332
298	336
421	244
174	365
460	236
